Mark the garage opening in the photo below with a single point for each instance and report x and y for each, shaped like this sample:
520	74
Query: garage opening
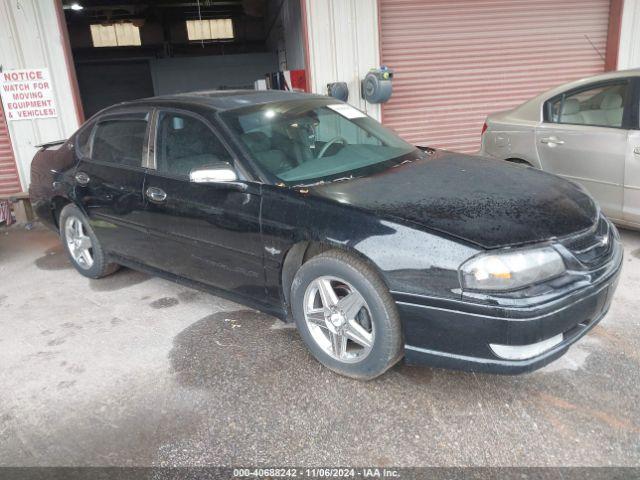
128	50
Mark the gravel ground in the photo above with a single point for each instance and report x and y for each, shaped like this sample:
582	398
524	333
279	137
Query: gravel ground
134	370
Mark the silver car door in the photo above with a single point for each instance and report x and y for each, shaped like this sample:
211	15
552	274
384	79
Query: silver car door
631	202
583	139
591	156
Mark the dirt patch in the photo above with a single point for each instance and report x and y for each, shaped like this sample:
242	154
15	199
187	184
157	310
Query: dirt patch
54	259
241	342
606	418
164	302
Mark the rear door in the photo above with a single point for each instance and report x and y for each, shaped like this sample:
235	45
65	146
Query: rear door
209	233
109	180
584	138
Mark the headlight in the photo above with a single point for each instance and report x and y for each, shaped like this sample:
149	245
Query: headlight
511	269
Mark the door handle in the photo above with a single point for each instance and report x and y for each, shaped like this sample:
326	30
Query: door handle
156	194
552	141
636	150
82	178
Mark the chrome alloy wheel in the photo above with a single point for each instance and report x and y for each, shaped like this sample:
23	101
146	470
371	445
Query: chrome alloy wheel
79	242
338	319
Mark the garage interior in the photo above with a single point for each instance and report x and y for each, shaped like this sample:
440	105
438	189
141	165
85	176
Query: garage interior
124	51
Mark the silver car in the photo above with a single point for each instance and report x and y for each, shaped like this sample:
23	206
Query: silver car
586	131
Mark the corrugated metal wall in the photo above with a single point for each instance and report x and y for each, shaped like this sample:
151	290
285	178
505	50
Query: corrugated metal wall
343	45
9	180
456	61
30	38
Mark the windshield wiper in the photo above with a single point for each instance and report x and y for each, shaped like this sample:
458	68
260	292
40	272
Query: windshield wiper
343	179
322	182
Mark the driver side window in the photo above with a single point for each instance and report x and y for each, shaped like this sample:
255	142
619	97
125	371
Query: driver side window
185	143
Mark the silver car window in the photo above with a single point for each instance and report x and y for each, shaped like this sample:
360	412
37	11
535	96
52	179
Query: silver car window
601	106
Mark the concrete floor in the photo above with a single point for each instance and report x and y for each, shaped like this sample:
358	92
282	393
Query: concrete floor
134	370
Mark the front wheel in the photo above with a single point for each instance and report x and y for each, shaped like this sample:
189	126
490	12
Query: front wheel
82	245
346	316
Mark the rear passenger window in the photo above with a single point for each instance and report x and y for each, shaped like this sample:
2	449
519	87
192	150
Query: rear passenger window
185	143
120	139
601	106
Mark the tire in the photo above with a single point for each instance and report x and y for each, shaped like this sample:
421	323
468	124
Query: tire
72	219
377	326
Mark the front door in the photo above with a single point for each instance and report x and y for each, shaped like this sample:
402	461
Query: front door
109	181
584	139
631	203
209	233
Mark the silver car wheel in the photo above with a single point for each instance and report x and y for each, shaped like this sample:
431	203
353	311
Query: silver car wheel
339	319
79	242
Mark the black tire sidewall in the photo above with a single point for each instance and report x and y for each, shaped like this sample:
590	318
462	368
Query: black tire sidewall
100	265
387	343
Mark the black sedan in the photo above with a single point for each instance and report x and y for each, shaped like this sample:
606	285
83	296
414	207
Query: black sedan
305	208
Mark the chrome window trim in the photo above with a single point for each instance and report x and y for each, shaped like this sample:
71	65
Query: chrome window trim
150	160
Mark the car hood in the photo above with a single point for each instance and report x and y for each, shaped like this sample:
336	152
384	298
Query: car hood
487	202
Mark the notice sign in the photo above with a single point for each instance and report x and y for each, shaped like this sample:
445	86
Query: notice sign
27	94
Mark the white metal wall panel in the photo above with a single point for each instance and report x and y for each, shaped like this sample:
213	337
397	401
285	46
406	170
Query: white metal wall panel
343	45
9	180
456	61
629	52
30	38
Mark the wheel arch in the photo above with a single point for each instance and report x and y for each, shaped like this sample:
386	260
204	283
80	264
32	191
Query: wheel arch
303	251
57	204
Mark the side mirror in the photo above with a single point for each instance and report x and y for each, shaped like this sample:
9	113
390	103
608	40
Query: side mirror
219	172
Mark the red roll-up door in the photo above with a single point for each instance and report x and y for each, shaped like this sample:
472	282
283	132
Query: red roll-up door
9	180
456	61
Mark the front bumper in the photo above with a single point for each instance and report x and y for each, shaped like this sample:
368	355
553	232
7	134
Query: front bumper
458	334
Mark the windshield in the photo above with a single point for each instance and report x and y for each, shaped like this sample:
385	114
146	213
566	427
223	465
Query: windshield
314	140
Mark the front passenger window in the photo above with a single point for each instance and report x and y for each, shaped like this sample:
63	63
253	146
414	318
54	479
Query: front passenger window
602	106
185	143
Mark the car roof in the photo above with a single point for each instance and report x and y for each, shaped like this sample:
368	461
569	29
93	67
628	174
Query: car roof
531	110
596	78
224	99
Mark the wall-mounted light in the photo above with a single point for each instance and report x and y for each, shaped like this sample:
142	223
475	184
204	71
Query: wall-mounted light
76	6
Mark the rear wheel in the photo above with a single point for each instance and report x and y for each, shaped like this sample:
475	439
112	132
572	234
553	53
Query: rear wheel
82	245
346	315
